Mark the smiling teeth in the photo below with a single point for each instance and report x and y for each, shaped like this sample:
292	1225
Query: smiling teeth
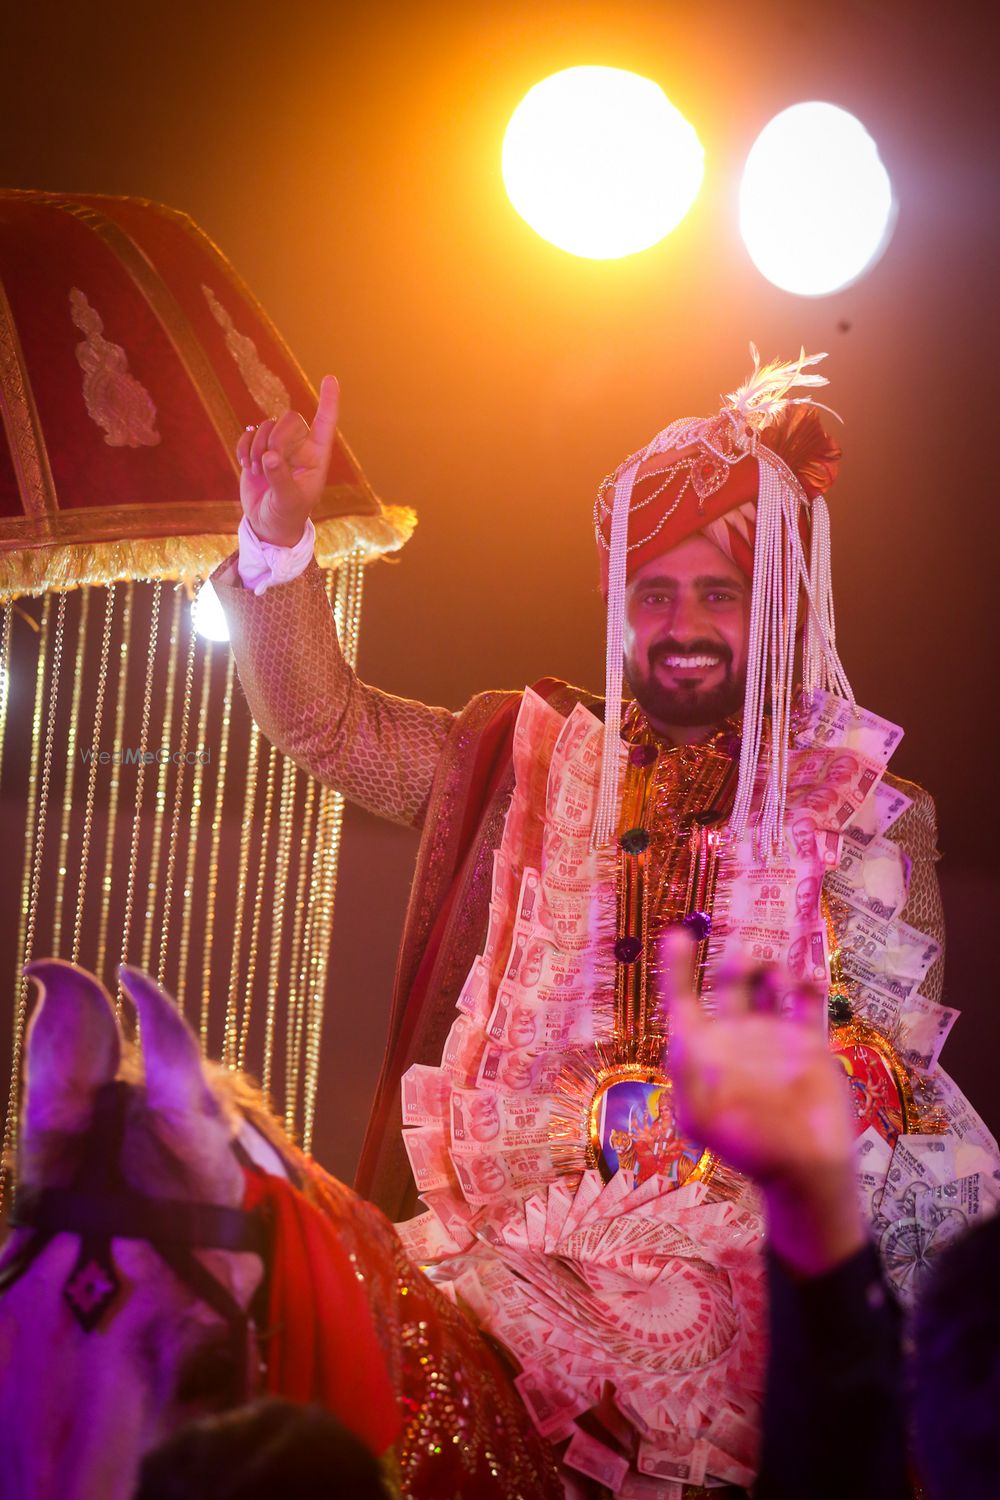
691	661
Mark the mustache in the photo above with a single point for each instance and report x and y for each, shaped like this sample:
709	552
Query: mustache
671	647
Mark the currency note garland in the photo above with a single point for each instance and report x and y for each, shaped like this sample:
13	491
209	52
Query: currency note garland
855	1040
674	801
604	1251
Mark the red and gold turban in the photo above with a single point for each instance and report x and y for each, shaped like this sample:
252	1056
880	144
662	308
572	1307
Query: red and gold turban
690	489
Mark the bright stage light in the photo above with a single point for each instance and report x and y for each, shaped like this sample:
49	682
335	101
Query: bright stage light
208	616
600	163
816	203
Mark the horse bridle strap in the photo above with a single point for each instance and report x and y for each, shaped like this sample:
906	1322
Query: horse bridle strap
101	1206
133	1216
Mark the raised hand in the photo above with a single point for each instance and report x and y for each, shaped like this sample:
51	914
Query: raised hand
283	467
757	1085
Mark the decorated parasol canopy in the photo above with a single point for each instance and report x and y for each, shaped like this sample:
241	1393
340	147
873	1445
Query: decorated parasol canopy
146	818
131	358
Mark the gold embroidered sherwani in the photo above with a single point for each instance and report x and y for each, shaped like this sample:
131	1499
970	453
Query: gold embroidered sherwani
412	763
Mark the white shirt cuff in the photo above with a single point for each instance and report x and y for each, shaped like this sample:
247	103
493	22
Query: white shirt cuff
262	564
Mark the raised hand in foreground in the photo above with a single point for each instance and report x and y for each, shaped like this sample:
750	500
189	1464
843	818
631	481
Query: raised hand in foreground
756	1084
283	467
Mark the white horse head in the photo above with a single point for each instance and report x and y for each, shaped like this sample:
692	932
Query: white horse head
115	1328
79	1408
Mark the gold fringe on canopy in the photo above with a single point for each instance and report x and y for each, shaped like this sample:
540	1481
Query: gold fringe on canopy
39	568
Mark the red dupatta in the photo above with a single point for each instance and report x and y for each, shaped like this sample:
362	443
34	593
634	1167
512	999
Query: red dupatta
320	1340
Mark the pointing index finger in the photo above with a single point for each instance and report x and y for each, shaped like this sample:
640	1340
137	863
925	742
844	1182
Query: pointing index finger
676	966
325	421
678	950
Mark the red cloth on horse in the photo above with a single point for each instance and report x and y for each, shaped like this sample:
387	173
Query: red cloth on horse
321	1341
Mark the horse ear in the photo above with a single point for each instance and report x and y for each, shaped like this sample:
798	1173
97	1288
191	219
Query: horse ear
190	1119
175	1080
73	1047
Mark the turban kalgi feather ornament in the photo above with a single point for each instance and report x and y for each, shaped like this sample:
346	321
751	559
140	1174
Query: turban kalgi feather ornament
753	479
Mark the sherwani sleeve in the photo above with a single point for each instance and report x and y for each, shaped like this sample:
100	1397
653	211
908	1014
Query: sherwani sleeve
916	834
379	750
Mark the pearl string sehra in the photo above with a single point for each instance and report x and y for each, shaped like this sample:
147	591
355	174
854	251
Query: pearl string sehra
779	569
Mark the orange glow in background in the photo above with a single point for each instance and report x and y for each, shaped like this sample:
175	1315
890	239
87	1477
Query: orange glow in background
348	161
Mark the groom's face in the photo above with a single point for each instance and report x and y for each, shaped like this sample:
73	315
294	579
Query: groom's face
687	619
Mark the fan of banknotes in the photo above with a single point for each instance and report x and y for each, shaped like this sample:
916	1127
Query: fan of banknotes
643	1303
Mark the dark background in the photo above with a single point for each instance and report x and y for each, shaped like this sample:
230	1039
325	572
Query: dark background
346	159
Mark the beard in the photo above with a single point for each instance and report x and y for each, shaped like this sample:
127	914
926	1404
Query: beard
687	704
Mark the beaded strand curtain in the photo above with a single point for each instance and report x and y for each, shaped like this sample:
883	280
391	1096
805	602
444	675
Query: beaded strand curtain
142	815
161	829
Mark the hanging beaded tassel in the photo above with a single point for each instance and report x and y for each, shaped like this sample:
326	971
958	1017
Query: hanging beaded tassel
606	816
779	569
821	666
770	655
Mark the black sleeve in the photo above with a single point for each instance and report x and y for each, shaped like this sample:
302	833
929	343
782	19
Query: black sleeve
834	1421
